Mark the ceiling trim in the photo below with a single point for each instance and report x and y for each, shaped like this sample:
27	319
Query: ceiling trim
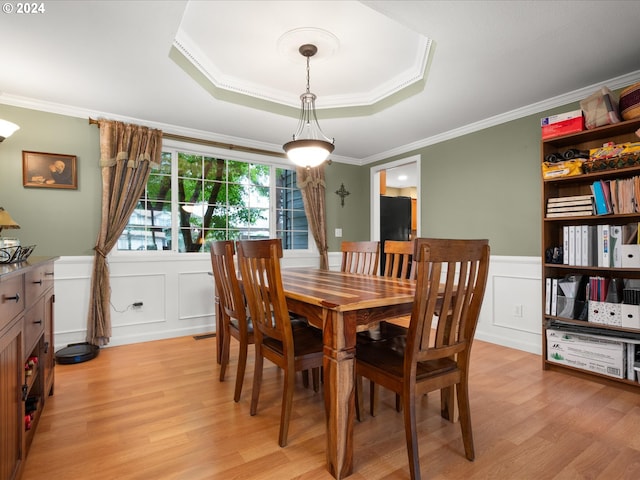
560	100
192	53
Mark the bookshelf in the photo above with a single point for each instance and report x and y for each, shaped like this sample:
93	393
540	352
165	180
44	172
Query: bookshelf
582	321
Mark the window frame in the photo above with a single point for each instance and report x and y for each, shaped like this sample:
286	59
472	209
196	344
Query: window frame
176	146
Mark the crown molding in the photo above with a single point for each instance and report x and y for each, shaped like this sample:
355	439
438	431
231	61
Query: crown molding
558	101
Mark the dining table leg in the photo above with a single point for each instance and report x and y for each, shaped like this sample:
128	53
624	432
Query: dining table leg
339	339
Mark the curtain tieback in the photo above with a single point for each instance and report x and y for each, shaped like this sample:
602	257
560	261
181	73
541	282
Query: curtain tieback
100	252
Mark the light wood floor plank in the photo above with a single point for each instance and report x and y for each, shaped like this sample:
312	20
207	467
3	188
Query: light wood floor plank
156	410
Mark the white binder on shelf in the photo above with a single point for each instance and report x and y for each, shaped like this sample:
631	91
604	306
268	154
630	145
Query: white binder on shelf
615	235
554	296
547	299
572	245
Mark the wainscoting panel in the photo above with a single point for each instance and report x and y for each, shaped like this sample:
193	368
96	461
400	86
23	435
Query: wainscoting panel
195	295
177	295
126	290
520	291
511	311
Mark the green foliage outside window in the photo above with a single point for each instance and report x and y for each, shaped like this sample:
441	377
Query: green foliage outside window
217	199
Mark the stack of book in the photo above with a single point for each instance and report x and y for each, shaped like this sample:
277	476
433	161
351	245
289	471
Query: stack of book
574	206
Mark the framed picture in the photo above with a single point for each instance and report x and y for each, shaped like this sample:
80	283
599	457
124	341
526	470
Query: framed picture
49	170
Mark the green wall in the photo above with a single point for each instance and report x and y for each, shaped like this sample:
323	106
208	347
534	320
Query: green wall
59	222
484	184
353	218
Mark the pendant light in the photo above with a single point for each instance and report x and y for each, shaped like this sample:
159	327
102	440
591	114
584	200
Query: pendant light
310	146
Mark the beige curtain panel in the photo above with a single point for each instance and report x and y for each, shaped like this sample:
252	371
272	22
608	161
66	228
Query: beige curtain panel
311	183
127	154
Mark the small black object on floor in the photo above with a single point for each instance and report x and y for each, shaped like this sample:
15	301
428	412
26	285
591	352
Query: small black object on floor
77	353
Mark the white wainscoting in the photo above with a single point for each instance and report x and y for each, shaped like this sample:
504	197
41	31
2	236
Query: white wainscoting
177	296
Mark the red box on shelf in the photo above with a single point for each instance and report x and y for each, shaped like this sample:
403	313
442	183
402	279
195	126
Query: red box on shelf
565	127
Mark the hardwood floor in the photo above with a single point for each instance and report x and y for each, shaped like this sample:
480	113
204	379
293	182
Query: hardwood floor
157	411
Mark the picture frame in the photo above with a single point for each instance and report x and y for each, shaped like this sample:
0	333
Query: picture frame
49	170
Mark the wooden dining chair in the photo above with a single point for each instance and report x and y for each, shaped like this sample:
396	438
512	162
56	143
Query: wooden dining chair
291	349
360	257
398	263
235	322
451	280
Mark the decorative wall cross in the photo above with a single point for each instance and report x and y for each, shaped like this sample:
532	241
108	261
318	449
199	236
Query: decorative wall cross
343	193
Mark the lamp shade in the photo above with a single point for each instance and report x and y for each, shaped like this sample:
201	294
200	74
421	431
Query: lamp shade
6	221
308	153
7	129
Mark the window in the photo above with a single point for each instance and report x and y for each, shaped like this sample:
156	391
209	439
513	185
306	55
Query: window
195	198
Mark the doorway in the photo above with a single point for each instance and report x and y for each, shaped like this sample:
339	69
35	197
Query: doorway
389	176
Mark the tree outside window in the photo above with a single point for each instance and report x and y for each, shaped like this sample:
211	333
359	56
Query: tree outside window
206	198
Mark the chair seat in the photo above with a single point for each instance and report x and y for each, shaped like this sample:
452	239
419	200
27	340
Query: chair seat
306	341
233	322
388	356
384	331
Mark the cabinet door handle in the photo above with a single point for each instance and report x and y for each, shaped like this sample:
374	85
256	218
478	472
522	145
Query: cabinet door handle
39	282
25	390
48	273
38	322
16	298
46	347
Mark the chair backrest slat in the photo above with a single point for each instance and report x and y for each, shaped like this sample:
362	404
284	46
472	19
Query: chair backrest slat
360	257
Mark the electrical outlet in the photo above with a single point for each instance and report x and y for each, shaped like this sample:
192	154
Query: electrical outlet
518	310
338	232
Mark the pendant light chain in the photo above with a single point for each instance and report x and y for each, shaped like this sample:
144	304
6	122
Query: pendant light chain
308	74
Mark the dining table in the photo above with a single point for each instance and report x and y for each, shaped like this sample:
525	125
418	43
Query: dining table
341	304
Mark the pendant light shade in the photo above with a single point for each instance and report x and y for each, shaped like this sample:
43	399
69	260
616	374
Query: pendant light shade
310	146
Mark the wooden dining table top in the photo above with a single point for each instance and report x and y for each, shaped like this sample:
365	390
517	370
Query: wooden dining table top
345	292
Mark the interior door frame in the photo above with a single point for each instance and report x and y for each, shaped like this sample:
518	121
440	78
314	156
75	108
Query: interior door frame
375	192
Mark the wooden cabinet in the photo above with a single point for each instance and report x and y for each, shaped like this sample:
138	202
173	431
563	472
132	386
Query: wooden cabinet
554	233
26	356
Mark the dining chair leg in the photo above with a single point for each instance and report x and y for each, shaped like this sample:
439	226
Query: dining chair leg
316	379
359	401
373	398
449	404
398	403
257	381
287	403
224	356
411	436
242	365
465	420
305	378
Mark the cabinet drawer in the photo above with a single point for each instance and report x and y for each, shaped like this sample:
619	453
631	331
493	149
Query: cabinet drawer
11	299
37	281
33	325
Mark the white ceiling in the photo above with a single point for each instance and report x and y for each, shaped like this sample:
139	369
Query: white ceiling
216	70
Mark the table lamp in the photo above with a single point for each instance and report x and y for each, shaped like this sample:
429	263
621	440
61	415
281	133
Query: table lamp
6	222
